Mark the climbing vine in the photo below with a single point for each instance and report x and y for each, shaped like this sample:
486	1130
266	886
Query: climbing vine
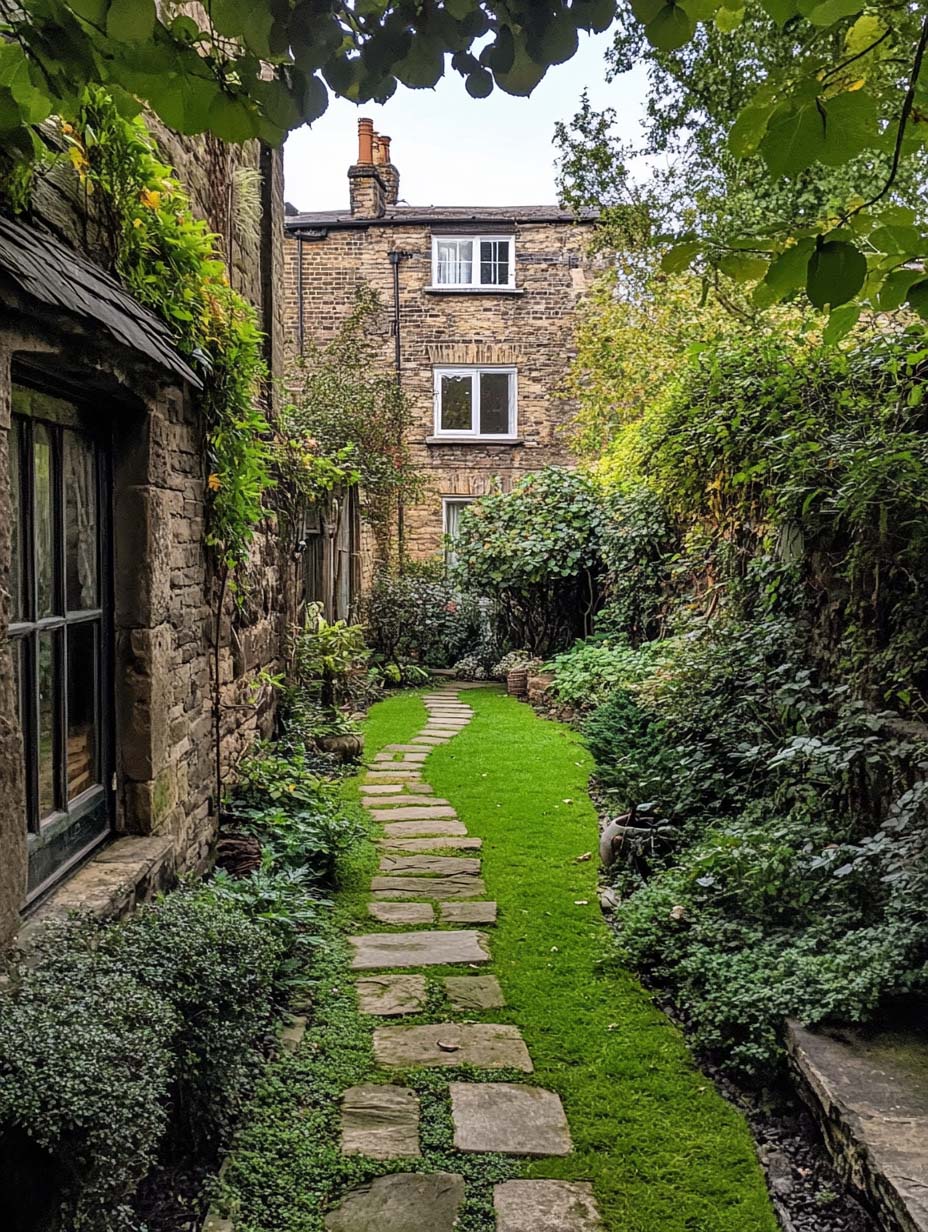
170	261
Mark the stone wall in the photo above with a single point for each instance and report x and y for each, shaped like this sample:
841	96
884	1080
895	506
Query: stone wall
165	588
531	328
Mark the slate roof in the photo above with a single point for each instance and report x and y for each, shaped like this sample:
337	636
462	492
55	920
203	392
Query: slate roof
58	276
430	215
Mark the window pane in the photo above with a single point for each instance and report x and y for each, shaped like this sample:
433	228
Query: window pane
494	403
43	480
80	522
455	262
17	580
456	396
494	262
82	708
48	673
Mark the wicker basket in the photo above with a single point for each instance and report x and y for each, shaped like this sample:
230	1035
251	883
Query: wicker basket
517	682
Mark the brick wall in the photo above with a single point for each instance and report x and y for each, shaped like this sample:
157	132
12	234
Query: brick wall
533	330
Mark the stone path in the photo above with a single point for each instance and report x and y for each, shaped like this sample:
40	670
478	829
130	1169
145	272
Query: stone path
425	890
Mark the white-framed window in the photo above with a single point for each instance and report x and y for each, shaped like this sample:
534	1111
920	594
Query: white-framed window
475	402
451	509
473	261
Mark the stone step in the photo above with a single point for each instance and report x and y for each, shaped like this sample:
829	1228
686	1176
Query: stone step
546	1206
405	801
455	885
423	829
387	789
388	996
418	866
398	774
381	1122
486	1045
508	1118
400	759
415	812
421	949
401	748
460	843
402	913
471	993
401	1202
468	913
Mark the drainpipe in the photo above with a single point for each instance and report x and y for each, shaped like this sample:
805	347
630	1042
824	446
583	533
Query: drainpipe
301	327
395	258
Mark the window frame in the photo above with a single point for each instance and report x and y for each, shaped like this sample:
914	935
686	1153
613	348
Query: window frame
61	414
474	371
475	284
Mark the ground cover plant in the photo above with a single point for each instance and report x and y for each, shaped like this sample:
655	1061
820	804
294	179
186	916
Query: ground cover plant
663	1148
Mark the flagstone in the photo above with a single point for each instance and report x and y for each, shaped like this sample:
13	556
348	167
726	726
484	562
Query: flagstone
455	885
421	829
381	1121
508	1118
470	993
402	913
413	865
410	798
419	949
401	759
390	995
416	812
389	789
401	748
546	1206
484	1044
459	843
468	913
401	1202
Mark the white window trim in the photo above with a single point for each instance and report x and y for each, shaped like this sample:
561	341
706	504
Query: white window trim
474	433
475	284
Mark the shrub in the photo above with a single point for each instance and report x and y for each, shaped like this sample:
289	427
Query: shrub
420	615
628	745
535	551
86	1064
509	662
215	966
637	541
325	655
585	675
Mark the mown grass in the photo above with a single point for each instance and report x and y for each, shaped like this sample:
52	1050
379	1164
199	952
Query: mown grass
665	1152
663	1149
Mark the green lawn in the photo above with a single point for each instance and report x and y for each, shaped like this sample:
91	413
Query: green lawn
665	1152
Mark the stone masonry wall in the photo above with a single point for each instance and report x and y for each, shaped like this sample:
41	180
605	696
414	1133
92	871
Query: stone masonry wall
531	329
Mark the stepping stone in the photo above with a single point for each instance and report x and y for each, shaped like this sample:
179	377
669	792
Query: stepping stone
468	913
418	741
380	1121
474	992
440	733
387	789
400	759
484	1044
546	1206
422	829
402	913
457	885
401	748
413	813
403	801
401	1202
396	775
510	1119
390	995
412	866
424	949
463	843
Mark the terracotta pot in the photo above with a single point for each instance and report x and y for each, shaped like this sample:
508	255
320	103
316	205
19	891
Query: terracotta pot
345	745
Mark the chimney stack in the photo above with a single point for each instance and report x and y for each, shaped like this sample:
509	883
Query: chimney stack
388	173
366	189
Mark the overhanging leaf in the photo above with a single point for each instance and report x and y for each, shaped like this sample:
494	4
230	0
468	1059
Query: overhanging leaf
918	298
837	271
680	256
895	289
130	21
790	269
671	28
840	323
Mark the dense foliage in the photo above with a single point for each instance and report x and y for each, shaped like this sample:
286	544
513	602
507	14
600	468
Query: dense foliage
420	615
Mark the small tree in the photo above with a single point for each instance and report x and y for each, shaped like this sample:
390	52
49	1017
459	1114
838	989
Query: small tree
536	551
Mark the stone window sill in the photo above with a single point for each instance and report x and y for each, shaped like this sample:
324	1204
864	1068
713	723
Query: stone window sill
508	441
474	290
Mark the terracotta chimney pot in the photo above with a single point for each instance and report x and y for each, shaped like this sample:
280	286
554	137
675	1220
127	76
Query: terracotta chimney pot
366	142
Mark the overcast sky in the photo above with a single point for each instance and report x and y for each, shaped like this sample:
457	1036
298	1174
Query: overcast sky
452	149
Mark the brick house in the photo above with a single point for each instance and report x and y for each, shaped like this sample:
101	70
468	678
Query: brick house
107	594
478	308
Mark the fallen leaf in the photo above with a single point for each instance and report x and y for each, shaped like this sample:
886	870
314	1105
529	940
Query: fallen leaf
448	1047
586	856
581	902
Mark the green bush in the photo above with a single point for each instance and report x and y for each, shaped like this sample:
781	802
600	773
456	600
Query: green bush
591	670
628	745
87	1060
419	615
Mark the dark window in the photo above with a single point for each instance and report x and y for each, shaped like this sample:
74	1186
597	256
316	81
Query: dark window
494	263
60	630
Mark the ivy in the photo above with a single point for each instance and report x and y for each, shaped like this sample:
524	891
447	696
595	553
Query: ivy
170	261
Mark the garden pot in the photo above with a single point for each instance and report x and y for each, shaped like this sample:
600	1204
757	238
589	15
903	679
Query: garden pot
345	745
517	682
